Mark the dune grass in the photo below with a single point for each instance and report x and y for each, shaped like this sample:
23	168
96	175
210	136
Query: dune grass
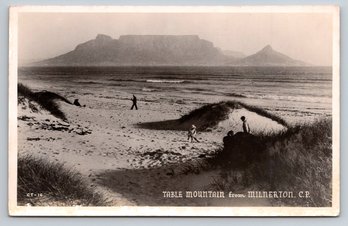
299	159
45	99
57	185
209	115
204	117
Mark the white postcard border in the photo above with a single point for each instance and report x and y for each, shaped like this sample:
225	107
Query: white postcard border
15	210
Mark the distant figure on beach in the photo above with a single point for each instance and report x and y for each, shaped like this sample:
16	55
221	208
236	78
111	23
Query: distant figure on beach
246	128
192	134
77	103
134	99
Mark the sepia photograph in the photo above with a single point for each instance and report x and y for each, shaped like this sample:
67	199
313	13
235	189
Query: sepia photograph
174	111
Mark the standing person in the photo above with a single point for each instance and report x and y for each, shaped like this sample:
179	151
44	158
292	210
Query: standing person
246	128
192	134
134	99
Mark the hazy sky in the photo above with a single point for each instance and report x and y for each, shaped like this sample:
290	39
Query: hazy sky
306	37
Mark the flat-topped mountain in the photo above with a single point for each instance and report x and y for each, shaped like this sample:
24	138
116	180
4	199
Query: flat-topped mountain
161	50
142	50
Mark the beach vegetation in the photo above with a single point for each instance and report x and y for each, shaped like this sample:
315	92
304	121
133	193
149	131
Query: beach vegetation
298	159
45	99
41	182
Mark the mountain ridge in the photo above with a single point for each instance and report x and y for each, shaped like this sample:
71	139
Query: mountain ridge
162	50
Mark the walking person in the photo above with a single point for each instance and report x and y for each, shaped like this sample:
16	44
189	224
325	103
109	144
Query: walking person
134	99
192	134
246	128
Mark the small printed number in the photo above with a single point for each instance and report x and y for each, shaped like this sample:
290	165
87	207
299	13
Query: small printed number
34	194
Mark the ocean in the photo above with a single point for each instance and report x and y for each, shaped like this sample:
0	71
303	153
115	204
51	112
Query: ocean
289	91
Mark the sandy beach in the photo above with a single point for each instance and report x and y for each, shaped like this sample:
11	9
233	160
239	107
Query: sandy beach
131	157
128	164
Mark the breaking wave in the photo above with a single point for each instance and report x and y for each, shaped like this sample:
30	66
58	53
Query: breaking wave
145	89
166	81
312	99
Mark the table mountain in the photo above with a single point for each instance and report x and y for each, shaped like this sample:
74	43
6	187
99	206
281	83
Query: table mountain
144	50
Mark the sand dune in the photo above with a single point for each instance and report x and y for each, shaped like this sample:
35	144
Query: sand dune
258	124
126	156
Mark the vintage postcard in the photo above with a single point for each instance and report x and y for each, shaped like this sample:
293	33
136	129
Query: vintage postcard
174	111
